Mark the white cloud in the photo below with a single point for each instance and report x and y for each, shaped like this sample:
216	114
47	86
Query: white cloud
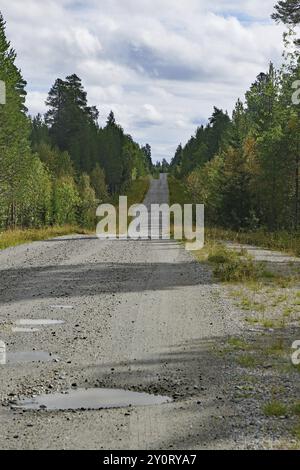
161	65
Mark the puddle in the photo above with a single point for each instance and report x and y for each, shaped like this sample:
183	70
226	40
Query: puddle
40	322
2	353
91	399
24	330
24	357
66	307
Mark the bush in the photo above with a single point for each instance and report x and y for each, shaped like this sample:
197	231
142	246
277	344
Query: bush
65	201
232	266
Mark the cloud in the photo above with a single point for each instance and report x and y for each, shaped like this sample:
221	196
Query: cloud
161	65
150	116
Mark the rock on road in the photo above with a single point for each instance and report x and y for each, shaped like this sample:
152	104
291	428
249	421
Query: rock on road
139	315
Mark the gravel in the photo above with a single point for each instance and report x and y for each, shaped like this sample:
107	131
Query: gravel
146	317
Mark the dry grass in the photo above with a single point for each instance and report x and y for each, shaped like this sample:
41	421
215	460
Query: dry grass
20	236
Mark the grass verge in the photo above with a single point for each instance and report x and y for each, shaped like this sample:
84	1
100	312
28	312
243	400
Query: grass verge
275	408
20	236
136	194
229	265
288	242
281	240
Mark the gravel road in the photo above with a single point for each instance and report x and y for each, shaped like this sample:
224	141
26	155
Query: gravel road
138	315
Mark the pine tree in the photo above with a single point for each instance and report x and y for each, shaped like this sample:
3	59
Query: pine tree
98	183
73	124
288	12
16	159
147	153
111	121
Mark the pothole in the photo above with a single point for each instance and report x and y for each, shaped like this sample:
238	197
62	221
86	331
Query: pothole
62	307
17	329
25	357
2	352
38	322
91	399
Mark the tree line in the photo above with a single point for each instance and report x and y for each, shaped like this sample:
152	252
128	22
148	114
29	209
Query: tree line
245	167
56	168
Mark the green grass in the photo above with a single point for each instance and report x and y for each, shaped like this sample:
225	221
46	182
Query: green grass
296	408
296	431
20	236
229	265
246	360
276	348
275	408
281	240
238	344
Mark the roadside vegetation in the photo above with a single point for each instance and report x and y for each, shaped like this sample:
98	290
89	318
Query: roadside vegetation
8	238
288	242
266	296
57	168
18	236
245	167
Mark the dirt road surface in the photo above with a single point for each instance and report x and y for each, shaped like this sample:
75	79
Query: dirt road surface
138	315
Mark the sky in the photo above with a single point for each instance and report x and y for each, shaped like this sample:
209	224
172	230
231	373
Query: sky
160	65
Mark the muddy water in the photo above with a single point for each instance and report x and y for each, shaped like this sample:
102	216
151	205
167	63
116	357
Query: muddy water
62	307
17	329
94	398
25	357
2	353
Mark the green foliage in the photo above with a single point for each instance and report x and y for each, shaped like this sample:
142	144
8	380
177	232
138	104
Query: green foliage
280	240
87	205
35	206
246	169
287	11
16	161
178	192
56	169
65	201
137	191
275	409
203	146
231	265
296	408
98	183
58	163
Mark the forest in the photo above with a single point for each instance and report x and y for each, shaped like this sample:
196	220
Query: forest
245	167
56	168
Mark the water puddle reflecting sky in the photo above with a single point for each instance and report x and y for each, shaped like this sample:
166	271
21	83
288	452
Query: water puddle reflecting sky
23	357
91	399
38	322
